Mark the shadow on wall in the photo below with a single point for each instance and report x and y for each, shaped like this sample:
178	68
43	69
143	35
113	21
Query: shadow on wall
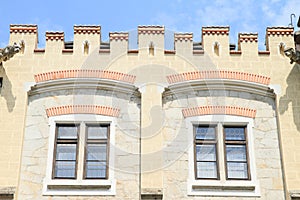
292	95
6	90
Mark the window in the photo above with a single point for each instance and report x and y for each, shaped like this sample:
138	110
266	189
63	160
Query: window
79	154
66	151
236	153
221	159
96	151
65	163
206	154
235	147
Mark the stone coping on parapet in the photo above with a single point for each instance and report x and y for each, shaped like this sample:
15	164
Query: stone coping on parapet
87	29
248	37
151	29
183	37
115	36
288	31
215	30
58	35
23	28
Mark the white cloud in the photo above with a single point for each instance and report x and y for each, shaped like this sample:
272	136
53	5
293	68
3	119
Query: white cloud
241	16
283	15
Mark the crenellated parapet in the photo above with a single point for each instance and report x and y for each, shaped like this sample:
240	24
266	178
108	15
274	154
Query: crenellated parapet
151	30
80	29
183	43
23	29
118	42
280	31
248	43
25	34
278	37
215	30
118	36
248	37
151	36
151	42
187	37
86	38
55	36
215	40
54	42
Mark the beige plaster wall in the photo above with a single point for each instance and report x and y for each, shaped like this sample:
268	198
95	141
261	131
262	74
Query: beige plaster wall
18	71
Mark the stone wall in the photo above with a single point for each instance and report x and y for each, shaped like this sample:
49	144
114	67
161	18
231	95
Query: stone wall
36	141
178	141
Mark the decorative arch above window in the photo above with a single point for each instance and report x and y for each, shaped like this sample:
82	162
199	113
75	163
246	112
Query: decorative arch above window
83	109
219	110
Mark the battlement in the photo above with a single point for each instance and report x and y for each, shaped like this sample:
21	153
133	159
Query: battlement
215	30
55	36
143	30
93	29
19	28
151	40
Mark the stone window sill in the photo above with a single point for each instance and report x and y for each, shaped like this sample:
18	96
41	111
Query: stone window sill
79	187
223	188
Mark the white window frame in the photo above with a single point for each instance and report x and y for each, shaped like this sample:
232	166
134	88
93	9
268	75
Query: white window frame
80	186
222	187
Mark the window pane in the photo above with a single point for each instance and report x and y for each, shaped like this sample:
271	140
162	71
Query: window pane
206	170
236	153
96	152
237	170
66	152
97	132
95	169
206	153
205	133
67	132
235	133
65	169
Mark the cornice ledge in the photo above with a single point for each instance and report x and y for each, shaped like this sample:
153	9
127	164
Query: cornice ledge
219	84
83	83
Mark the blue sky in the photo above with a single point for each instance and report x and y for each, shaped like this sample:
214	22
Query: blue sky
175	15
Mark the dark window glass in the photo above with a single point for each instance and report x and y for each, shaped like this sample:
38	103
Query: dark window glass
66	142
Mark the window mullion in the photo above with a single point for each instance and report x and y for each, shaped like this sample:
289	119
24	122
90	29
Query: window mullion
81	151
221	158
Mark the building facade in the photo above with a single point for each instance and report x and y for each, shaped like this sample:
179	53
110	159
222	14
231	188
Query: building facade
204	120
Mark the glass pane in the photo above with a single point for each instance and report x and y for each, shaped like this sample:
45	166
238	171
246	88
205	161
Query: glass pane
237	170
206	170
206	152
205	133
66	152
95	169
67	132
65	169
235	133
97	132
236	153
96	152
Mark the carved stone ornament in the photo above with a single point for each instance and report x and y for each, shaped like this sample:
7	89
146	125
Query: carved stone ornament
9	51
